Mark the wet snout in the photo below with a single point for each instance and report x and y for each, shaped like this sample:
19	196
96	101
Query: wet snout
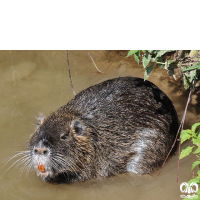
41	159
40	151
42	148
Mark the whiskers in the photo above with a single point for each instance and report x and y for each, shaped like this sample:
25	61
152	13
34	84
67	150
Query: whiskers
63	165
23	160
56	165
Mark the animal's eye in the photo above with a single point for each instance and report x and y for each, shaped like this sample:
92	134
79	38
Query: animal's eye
63	136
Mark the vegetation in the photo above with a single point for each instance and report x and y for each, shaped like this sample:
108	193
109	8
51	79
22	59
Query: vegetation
193	135
150	58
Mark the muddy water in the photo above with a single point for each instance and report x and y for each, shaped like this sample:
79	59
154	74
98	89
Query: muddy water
37	81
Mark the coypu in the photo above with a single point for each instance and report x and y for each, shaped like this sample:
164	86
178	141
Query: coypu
121	125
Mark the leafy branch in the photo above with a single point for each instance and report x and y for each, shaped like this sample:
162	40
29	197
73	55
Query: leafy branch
150	58
192	134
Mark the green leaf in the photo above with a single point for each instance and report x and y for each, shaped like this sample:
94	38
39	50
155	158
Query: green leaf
195	164
198	192
197	150
186	151
171	61
146	59
187	83
193	75
194	126
162	52
195	180
147	72
196	66
131	52
197	133
160	60
137	57
196	141
185	135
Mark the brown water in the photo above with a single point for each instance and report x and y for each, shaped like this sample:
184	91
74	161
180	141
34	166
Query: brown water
37	81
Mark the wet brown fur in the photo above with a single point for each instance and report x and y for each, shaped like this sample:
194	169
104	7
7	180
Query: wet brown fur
115	116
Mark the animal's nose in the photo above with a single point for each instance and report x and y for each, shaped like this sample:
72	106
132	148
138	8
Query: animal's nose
41	151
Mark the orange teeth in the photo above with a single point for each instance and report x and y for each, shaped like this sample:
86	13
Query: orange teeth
41	167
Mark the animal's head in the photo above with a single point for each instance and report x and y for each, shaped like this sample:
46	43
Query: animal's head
61	144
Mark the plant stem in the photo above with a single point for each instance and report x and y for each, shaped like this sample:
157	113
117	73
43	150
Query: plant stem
181	128
70	74
179	140
95	64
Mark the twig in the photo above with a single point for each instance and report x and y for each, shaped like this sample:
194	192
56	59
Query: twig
70	74
94	63
179	130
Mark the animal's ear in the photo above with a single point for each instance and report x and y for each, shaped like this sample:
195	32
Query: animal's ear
78	127
40	119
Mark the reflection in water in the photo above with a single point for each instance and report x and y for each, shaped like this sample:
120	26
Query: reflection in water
37	81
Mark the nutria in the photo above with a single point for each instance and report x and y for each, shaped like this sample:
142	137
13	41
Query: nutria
121	125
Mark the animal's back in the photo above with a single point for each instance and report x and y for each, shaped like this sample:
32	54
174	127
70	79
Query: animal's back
135	124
